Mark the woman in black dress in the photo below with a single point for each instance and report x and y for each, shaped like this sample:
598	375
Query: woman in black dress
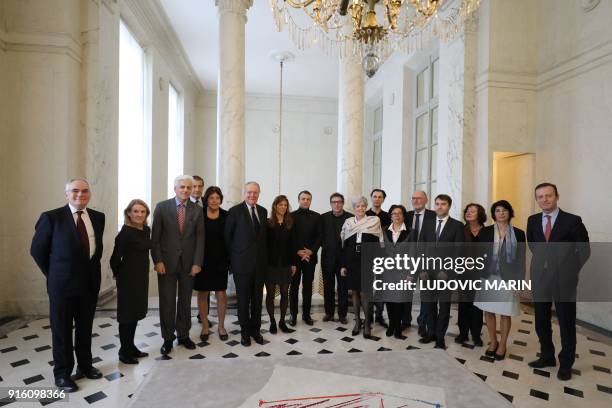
358	230
216	262
130	266
282	260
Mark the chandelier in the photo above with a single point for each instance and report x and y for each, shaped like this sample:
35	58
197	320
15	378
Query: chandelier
370	29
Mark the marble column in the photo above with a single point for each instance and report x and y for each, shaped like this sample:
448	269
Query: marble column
231	98
350	128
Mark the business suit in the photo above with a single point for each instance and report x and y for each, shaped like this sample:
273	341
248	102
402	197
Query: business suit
246	244
396	310
554	276
439	302
73	283
179	251
428	224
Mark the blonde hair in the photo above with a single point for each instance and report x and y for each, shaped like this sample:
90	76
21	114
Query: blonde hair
126	212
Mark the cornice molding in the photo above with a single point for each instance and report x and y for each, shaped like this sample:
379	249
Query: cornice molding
50	43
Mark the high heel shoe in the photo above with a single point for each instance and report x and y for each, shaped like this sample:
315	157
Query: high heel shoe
273	329
204	336
283	326
491	353
357	327
222	336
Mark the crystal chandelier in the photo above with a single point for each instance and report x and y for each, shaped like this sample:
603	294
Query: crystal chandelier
370	29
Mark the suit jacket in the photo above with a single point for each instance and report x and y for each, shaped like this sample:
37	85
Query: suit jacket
453	232
307	231
247	249
563	261
509	271
428	223
57	250
405	236
331	245
172	247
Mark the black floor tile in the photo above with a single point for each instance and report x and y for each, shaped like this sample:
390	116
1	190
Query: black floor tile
294	353
541	372
20	362
197	357
320	340
113	376
539	394
42	348
510	374
574	392
95	397
509	397
30	380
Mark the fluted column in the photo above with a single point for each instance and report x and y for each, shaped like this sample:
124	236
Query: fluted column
350	128
230	98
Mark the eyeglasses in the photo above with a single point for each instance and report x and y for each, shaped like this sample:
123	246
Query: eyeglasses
337	202
77	191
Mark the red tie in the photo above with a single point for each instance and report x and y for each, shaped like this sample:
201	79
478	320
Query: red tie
548	228
83	232
181	216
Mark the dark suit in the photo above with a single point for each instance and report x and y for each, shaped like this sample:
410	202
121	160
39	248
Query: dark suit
248	263
73	283
179	252
397	310
439	302
428	223
307	234
554	276
331	252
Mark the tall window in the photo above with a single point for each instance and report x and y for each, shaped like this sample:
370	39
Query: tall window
377	150
426	130
175	138
134	143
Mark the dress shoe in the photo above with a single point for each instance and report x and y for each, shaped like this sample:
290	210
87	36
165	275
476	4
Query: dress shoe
543	362
308	320
258	338
138	354
245	340
166	348
283	326
273	329
293	321
91	372
422	331
460	339
66	384
367	332
478	342
398	335
564	374
390	331
357	327
440	345
187	343
127	359
343	320
427	339
328	318
203	336
223	336
491	353
499	357
381	320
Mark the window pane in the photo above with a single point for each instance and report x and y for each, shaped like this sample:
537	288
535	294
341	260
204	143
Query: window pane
434	162
421	131
434	125
420	172
133	145
378	119
421	96
434	192
434	78
175	138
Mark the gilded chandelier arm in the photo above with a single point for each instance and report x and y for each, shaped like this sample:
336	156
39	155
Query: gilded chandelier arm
299	4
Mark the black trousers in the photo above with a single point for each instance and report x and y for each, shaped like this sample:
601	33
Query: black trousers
63	311
396	312
438	307
126	337
305	273
422	317
331	275
566	314
405	313
249	291
469	317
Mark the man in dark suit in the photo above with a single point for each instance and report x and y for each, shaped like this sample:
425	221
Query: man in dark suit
418	220
177	238
448	231
554	275
67	247
245	238
307	240
331	244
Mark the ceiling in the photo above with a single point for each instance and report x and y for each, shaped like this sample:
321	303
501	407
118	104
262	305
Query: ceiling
196	24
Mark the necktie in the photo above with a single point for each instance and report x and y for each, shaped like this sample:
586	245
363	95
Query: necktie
438	230
200	203
548	229
255	220
84	237
181	216
417	224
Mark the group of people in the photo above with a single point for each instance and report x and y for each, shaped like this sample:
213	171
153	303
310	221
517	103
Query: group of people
195	244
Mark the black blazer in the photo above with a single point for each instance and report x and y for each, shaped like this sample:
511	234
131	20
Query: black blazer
405	236
56	249
307	231
509	271
247	250
428	224
331	245
452	232
563	261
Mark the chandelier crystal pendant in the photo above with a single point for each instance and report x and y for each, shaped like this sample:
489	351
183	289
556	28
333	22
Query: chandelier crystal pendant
370	29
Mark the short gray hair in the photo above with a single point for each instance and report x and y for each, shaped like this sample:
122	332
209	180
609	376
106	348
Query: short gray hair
69	182
251	183
357	200
178	179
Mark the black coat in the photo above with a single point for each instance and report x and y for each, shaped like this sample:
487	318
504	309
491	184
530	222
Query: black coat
247	250
383	216
563	261
509	271
330	238
57	250
307	231
281	245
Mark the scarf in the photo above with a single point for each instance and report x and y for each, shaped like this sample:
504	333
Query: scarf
366	225
510	243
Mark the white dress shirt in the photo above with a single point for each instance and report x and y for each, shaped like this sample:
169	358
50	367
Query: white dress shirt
88	226
251	211
443	223
553	218
395	234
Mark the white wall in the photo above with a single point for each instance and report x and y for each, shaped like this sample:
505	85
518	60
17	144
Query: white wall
309	145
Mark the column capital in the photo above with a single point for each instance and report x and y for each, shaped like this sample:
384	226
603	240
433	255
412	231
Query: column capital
234	6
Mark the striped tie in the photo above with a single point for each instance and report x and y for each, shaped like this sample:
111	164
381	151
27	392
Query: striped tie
181	216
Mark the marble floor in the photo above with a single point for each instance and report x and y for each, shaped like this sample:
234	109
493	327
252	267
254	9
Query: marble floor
25	359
